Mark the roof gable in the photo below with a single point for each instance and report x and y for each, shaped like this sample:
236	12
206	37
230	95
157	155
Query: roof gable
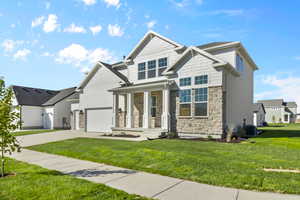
60	96
166	42
192	50
95	70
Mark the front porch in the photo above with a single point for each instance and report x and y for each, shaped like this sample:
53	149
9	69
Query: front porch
141	108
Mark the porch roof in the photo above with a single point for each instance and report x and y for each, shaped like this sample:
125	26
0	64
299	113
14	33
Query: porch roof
162	83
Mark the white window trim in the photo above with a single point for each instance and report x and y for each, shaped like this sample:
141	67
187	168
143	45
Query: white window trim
142	71
180	103
194	101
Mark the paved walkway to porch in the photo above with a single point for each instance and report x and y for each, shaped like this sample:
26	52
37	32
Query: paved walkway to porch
141	183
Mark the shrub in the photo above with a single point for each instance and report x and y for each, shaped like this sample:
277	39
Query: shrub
241	132
251	130
265	124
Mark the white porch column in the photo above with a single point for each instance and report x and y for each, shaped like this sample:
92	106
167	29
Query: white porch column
115	109
146	109
166	109
129	110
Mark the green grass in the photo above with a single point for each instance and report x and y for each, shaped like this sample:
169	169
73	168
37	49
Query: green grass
232	165
33	182
19	133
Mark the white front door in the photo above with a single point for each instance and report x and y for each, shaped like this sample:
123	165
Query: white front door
99	120
48	118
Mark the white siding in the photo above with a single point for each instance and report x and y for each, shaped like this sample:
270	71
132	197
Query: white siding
239	97
31	116
199	65
62	110
95	94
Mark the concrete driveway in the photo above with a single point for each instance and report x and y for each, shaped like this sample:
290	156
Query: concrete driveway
131	181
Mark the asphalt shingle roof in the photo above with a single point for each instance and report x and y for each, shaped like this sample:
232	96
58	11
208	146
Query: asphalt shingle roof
272	102
28	96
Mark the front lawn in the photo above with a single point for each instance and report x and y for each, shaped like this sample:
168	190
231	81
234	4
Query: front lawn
19	133
33	182
232	165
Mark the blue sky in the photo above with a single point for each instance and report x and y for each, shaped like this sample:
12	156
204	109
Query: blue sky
50	43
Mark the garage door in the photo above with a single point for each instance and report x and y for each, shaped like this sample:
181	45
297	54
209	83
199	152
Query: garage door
99	120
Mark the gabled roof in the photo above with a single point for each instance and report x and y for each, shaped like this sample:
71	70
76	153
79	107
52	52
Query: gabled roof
148	35
27	96
32	96
92	73
60	96
272	102
256	107
291	104
216	61
212	44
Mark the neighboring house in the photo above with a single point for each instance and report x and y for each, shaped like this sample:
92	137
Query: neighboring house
165	86
40	108
259	114
279	111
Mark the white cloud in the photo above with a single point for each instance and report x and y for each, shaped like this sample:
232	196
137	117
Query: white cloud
115	30
47	5
51	24
151	24
47	54
284	87
95	29
180	4
297	57
1	14
79	56
37	21
10	45
230	13
85	70
167	27
21	54
89	2
75	29
115	3
13	26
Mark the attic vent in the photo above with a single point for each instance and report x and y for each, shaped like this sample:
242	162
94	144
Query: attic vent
26	90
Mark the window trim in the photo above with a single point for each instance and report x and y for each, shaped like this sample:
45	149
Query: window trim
189	77
201	84
237	62
190	103
159	67
142	71
195	102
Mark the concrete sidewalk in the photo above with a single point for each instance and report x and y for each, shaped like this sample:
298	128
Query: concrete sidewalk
141	183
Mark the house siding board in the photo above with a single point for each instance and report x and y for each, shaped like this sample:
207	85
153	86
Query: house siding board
239	95
197	65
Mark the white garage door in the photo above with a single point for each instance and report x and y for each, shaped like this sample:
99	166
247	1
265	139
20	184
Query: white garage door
99	120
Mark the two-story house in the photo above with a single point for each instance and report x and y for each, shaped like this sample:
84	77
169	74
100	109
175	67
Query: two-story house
166	86
279	111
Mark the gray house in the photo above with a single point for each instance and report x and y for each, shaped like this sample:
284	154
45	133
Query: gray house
259	114
162	85
279	111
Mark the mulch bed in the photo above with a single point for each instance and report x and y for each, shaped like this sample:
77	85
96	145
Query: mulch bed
121	135
8	175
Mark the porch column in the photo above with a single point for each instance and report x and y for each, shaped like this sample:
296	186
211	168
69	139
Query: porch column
115	109
129	110
166	109
146	109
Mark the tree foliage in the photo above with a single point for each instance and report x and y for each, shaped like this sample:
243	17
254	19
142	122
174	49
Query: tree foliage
9	122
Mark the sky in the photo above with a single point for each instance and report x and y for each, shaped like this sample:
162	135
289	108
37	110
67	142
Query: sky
51	43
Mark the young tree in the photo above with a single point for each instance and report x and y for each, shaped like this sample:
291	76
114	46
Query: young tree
9	121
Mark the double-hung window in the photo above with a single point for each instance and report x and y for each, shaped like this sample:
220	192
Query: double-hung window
152	69
185	102
201	101
141	71
199	80
162	65
153	106
185	81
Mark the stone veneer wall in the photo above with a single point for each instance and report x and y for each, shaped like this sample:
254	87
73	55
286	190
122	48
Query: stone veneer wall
155	122
82	121
204	126
138	110
121	119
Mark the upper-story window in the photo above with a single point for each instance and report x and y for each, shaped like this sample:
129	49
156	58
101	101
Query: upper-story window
240	63
152	69
141	71
201	79
185	81
162	65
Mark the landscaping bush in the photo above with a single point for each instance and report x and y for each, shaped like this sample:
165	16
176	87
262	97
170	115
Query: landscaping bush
265	124
240	132
250	130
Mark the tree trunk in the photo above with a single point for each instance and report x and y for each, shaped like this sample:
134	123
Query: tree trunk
2	158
